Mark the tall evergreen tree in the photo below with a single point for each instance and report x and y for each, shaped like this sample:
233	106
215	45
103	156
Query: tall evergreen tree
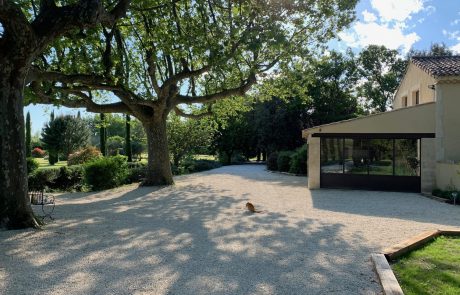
128	151
28	136
52	116
103	136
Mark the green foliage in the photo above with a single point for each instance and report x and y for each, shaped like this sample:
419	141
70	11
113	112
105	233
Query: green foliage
272	161
188	136
136	172
436	49
64	135
61	179
106	172
28	136
70	178
84	155
53	157
383	71
32	165
298	163
137	148
234	135
193	165
102	135
128	150
115	145
284	159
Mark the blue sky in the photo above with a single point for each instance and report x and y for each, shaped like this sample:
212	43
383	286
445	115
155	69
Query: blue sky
397	24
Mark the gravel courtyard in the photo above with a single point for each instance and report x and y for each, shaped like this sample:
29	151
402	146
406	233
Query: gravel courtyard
197	238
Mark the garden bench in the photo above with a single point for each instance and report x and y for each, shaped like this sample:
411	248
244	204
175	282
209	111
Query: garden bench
38	197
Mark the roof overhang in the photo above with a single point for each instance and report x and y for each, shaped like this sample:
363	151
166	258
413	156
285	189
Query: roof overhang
416	121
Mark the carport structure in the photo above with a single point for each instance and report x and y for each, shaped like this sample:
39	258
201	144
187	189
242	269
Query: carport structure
391	151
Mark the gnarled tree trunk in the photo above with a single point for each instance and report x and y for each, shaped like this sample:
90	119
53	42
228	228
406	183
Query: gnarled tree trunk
15	209
159	166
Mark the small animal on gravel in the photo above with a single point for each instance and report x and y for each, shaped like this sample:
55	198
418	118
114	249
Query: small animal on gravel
251	208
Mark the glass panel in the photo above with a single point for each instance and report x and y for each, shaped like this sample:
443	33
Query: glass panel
381	156
331	155
356	155
407	160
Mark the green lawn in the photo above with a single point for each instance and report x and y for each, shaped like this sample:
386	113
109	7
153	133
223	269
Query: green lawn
44	164
434	269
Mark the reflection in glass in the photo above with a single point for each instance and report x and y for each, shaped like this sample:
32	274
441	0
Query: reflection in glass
356	155
407	160
331	155
381	157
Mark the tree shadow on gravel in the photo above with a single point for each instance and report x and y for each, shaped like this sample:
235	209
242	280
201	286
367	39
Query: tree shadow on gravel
405	206
192	240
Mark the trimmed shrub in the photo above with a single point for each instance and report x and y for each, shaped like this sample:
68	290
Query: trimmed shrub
107	172
272	161
32	165
43	179
436	192
61	179
191	165
298	164
136	172
84	155
284	158
38	153
69	178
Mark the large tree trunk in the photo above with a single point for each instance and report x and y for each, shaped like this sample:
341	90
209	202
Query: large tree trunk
15	208
159	167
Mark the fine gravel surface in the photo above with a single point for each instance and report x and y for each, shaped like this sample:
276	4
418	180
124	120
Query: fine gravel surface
197	238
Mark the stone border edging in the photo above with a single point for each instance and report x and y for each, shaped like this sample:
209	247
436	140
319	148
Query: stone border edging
386	276
382	267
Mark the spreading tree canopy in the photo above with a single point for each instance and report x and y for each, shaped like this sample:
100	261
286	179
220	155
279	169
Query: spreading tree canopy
168	54
27	29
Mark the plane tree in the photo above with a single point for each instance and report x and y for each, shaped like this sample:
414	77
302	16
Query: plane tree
168	55
27	28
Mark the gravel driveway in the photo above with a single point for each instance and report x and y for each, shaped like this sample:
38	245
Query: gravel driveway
197	238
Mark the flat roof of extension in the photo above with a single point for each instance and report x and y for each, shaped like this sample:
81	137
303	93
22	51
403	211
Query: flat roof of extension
419	119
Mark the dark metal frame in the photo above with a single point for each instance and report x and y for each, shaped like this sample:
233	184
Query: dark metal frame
369	181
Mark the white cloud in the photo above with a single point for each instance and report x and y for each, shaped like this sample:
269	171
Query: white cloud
369	17
364	34
430	9
396	10
455	22
456	48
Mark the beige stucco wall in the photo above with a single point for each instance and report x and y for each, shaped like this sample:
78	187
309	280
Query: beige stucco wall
447	176
416	119
415	79
314	165
428	165
448	122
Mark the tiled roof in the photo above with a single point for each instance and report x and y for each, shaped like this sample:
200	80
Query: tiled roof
439	66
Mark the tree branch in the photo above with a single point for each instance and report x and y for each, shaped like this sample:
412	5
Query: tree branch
85	101
241	90
181	113
55	21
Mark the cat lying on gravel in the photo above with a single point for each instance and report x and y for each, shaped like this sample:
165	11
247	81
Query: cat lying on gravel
251	208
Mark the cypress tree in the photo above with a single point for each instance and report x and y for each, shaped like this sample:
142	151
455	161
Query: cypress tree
28	136
52	116
128	150
103	135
